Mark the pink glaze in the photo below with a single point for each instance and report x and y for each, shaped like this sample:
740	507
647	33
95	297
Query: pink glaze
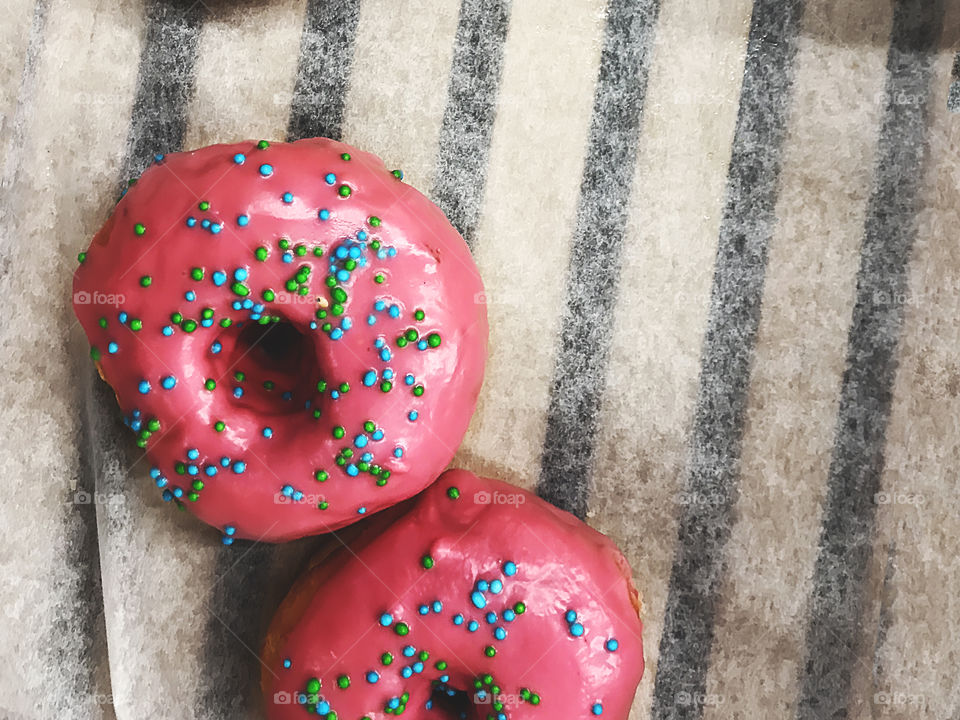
561	564
276	495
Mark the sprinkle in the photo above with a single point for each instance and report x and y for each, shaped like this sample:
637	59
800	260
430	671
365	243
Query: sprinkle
242	220
139	229
509	569
478	600
330	178
238	159
576	629
144	387
386	619
168	382
288	197
372	676
597	709
324	214
112	347
219	278
612	645
239	467
268	432
266	170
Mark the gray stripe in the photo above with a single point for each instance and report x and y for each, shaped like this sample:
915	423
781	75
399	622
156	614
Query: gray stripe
165	82
857	462
593	275
747	225
953	97
326	56
467	128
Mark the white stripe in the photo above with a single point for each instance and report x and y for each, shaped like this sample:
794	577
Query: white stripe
668	256
522	245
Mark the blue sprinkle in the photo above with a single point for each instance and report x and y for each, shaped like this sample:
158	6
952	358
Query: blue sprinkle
473	625
287	257
496	586
242	220
360	441
211	470
268	432
167	330
394	703
478	600
112	347
346	323
361	510
225	461
377	434
215	228
352	470
371	320
423	610
576	629
343	275
266	170
509	568
336	334
240	274
571	616
239	467
379	305
191	221
361	235
323	707
205	224
144	387
406	672
122	317
324	214
483	585
216	347
229	529
193	453
597	709
437	606
167	496
239	158
412	415
168	382
509	615
422	345
612	645
499	633
409	379
288	197
330	178
287	490
458	619
398	452
418	667
388	374
409	650
192	470
190	295
386	619
491	618
219	278
372	677
154	472
286	662
394	311
207	322
238	392
178	492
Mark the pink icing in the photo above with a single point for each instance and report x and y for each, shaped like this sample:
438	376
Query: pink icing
561	565
424	265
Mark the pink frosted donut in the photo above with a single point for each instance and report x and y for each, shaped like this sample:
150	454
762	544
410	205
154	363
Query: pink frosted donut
481	601
296	336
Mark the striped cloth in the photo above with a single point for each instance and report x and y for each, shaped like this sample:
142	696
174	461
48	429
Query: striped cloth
718	242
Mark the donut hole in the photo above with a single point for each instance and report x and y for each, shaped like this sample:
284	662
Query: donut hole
454	703
272	369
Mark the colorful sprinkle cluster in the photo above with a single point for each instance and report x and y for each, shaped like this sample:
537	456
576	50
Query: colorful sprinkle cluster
325	272
482	610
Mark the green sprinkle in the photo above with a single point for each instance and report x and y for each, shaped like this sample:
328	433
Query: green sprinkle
82	257
321	475
269	295
197	273
433	340
427	561
374	221
263	145
344	191
386	658
139	229
453	493
343	682
401	629
95	353
240	289
102	322
418	314
261	253
210	384
313	685
219	426
189	325
136	325
379	278
338	432
204	205
345	156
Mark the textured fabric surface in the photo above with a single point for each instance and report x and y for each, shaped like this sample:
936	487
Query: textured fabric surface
718	243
